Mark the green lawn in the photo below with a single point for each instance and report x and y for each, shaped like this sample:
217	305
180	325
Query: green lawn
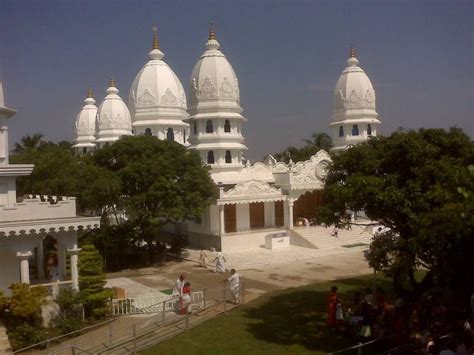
290	321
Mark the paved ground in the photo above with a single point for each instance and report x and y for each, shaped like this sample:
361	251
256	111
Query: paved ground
263	270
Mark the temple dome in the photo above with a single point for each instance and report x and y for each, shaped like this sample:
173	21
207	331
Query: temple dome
354	94
86	123
113	119
213	79
156	87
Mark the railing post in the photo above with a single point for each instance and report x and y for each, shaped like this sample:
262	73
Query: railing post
134	339
73	348
163	314
225	300
204	299
110	333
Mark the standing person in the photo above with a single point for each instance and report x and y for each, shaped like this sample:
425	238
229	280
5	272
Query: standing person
178	286
234	283
333	300
185	301
203	258
220	261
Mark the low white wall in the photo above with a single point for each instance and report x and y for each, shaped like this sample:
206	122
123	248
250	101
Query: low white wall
35	209
245	241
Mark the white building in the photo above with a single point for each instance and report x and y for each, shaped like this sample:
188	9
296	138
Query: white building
257	200
354	119
37	233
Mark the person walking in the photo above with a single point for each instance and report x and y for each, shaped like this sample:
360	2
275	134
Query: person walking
203	258
185	300
234	283
220	261
178	286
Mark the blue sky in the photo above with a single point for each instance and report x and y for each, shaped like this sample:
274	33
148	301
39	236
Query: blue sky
288	56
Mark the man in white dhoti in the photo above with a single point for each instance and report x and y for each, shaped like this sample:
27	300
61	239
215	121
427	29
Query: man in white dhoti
220	261
178	286
203	258
234	283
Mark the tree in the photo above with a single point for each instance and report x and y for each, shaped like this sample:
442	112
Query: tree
420	186
29	143
317	142
161	182
92	280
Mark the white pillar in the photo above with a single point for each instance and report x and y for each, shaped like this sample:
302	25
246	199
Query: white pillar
61	261
221	220
40	259
290	214
24	266
74	252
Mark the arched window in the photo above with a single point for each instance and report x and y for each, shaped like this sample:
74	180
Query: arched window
369	130
195	128
184	136
210	157
228	157
170	135
355	130
148	132
341	131
227	126
209	127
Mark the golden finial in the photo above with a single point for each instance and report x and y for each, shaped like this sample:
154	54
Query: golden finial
352	52
90	95
112	83
156	44
212	34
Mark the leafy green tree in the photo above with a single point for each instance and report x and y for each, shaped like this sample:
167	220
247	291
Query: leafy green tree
92	280
25	303
161	182
28	143
420	186
317	142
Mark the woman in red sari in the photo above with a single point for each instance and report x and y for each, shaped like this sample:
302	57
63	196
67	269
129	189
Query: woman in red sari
333	300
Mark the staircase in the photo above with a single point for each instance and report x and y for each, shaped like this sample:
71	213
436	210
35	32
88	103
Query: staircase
317	237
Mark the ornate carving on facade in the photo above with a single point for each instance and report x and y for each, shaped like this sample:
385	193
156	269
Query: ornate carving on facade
168	98
227	89
182	100
236	88
370	98
280	168
105	121
353	98
84	128
251	188
258	168
313	170
208	90
146	99
122	122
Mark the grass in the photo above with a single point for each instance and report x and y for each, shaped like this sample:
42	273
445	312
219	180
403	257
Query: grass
290	321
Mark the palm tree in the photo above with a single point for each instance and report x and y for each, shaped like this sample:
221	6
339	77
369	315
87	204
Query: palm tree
320	141
29	143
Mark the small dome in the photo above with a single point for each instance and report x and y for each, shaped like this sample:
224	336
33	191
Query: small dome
156	87
86	119
354	94
213	78
113	119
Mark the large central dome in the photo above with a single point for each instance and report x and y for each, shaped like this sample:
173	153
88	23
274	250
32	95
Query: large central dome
157	100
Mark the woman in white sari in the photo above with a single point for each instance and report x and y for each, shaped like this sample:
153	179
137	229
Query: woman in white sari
220	261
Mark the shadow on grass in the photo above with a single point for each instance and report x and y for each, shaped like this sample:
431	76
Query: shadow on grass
298	316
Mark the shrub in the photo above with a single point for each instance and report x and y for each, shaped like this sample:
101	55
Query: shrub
25	335
91	283
178	244
24	305
69	318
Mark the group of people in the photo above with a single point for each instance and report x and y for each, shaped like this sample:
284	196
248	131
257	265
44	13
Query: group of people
219	261
182	291
423	325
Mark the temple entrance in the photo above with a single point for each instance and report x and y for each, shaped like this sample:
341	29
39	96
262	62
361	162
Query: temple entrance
257	215
279	214
307	205
230	218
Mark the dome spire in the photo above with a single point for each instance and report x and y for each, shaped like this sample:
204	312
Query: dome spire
212	33
352	52
156	44
90	94
112	83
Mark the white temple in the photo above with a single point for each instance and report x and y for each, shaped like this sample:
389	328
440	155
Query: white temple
37	233
256	201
